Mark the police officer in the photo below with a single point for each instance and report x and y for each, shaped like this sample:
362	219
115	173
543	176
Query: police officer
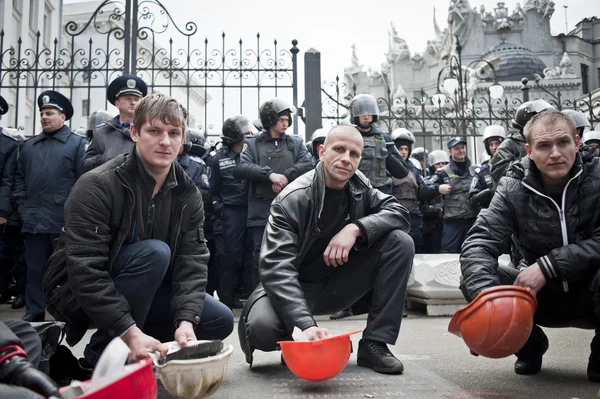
421	155
230	196
9	229
459	215
581	122
482	185
380	158
114	138
592	139
269	162
48	166
318	137
433	210
411	189
96	119
513	147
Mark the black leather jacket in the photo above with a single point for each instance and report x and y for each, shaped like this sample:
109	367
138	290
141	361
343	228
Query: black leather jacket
292	229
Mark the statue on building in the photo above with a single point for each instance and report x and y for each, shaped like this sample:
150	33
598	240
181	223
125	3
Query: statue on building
550	73
461	19
501	17
398	48
566	67
544	7
518	16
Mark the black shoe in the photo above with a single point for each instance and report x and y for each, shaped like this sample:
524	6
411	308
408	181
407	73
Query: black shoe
19	302
342	314
64	367
377	356
529	359
593	368
235	304
30	317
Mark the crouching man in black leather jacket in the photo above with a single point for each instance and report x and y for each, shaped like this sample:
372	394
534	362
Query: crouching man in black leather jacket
330	239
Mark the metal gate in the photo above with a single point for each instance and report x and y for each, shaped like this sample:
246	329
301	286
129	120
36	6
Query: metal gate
214	81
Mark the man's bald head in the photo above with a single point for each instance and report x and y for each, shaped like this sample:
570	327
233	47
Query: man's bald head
344	132
340	155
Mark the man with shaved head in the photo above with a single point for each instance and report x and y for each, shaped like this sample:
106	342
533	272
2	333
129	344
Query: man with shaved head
331	238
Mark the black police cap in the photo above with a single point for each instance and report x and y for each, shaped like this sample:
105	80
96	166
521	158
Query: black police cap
53	99
126	84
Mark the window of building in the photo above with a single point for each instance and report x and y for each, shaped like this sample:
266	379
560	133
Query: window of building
33	15
85	107
46	31
18	6
585	78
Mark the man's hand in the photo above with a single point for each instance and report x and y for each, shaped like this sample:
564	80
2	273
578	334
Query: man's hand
278	179
276	188
2	221
184	333
141	344
445	189
531	277
338	249
316	333
18	371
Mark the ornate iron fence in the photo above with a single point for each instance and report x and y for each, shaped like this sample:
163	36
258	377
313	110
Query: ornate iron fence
434	122
140	37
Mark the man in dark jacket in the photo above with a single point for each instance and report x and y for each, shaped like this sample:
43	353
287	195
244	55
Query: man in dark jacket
459	215
550	202
331	239
269	162
132	256
9	220
49	165
114	137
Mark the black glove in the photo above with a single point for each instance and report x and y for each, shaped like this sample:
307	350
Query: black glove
483	198
18	371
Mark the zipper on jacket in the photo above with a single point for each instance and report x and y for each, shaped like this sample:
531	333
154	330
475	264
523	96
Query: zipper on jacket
561	214
177	236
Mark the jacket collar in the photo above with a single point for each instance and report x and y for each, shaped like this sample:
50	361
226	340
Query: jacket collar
116	124
455	168
130	171
184	160
62	135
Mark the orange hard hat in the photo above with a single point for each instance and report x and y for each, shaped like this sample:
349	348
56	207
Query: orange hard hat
497	323
317	360
138	382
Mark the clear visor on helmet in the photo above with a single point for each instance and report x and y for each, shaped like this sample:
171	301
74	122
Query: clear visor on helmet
245	125
364	105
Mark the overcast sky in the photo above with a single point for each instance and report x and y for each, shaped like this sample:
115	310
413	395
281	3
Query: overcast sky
333	26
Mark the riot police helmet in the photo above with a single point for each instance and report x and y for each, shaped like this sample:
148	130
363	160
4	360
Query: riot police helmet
363	104
235	128
195	143
271	110
528	110
591	137
318	137
493	132
437	156
420	154
581	121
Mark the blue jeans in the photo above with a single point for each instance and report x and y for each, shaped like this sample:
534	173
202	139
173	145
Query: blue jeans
38	248
138	274
454	233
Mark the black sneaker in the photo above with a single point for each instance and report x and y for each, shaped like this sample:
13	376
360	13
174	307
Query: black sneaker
19	302
342	314
30	317
377	356
529	359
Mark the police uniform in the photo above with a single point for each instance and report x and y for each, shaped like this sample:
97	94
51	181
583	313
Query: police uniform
48	167
459	215
482	188
230	196
113	138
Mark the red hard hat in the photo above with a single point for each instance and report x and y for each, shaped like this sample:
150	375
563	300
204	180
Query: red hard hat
497	322
139	382
317	360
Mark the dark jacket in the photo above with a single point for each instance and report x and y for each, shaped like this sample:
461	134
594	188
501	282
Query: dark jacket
99	219
9	153
512	149
226	189
249	169
293	228
456	203
110	139
411	189
564	239
395	165
482	188
48	168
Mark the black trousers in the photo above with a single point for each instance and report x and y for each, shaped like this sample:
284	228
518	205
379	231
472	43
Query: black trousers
20	333
378	276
